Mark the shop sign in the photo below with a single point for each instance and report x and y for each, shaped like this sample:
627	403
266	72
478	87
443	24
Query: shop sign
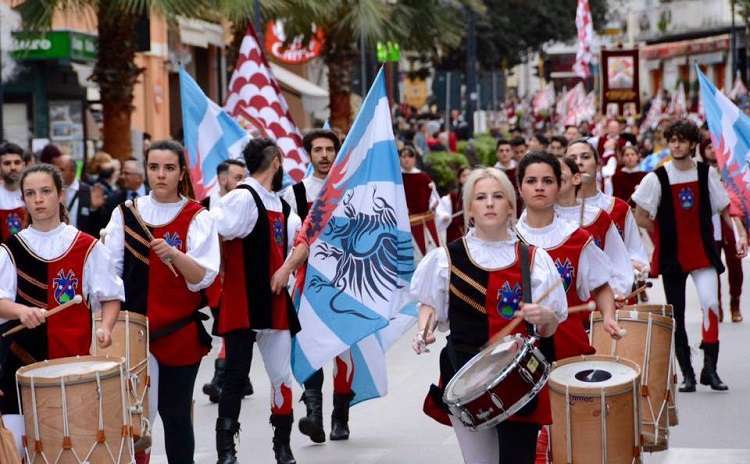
388	51
54	45
295	51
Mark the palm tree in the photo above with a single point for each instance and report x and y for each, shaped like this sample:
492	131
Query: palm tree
419	25
115	70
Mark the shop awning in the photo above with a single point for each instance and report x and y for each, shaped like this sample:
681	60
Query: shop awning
666	50
314	97
199	33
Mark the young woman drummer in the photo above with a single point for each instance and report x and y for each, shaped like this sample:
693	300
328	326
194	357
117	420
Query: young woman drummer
474	286
164	270
44	266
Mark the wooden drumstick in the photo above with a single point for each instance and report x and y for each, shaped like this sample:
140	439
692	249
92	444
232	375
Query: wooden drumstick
427	327
129	205
76	300
518	319
638	291
590	306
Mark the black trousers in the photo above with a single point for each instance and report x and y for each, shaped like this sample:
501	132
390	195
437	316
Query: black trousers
176	386
238	346
674	291
517	442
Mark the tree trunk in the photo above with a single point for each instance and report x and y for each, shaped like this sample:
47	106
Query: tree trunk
116	74
340	68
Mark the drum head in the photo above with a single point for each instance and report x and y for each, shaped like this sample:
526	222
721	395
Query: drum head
594	374
73	367
484	369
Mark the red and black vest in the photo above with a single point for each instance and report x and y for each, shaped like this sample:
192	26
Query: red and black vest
418	192
599	227
483	301
250	263
618	211
571	338
684	235
300	200
624	183
456	227
12	221
176	333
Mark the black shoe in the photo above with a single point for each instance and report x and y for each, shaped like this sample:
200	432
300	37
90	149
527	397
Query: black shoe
226	429
340	417
709	376
282	430
213	388
247	390
688	374
312	424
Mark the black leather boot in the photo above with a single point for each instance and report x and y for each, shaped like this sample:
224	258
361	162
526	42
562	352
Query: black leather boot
312	424
213	388
282	430
709	376
226	429
688	374
340	416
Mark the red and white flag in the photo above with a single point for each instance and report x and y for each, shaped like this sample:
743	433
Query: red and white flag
585	37
256	101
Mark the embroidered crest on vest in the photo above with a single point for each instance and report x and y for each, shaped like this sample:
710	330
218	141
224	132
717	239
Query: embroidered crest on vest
508	299
14	223
566	271
278	231
687	198
173	239
65	285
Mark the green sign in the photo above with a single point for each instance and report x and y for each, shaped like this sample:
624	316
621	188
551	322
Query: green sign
54	45
388	51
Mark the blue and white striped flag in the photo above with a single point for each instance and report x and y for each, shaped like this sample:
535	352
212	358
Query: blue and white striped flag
655	159
355	286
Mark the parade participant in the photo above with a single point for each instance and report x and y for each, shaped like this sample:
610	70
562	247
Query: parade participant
504	155
258	228
518	144
571	133
587	158
164	268
12	212
43	266
475	286
628	174
598	223
450	210
322	145
557	146
421	200
724	237
584	268
675	204
86	205
229	173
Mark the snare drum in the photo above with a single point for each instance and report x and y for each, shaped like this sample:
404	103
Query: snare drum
130	341
497	382
649	342
661	310
75	410
595	410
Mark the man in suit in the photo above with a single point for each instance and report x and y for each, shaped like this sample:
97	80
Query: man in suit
133	185
85	204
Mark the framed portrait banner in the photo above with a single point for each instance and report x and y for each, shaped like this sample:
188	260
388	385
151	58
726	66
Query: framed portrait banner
619	77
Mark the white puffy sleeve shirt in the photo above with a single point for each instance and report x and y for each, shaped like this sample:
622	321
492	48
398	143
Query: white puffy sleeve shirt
430	282
100	282
202	238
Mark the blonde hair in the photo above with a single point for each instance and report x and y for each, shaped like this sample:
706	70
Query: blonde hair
489	173
100	159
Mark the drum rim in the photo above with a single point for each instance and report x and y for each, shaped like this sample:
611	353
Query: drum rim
648	305
133	316
640	316
24	379
595	392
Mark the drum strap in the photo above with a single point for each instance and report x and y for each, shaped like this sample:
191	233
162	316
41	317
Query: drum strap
197	317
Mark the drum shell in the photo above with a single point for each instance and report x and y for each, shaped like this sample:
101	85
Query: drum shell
81	403
505	395
654	356
130	333
622	403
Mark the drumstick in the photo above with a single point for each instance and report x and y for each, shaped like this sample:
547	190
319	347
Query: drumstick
427	327
455	215
637	291
76	300
518	319
129	205
590	306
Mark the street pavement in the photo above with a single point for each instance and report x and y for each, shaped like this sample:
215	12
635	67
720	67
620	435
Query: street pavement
393	430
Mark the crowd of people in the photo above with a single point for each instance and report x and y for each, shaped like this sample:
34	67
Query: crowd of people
559	206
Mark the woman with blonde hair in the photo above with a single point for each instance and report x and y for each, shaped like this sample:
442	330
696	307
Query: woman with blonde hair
474	286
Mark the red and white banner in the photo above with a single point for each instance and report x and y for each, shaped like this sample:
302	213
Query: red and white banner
256	102
585	38
296	51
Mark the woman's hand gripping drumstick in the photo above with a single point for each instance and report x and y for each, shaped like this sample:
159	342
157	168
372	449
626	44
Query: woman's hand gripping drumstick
30	324
425	334
162	249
